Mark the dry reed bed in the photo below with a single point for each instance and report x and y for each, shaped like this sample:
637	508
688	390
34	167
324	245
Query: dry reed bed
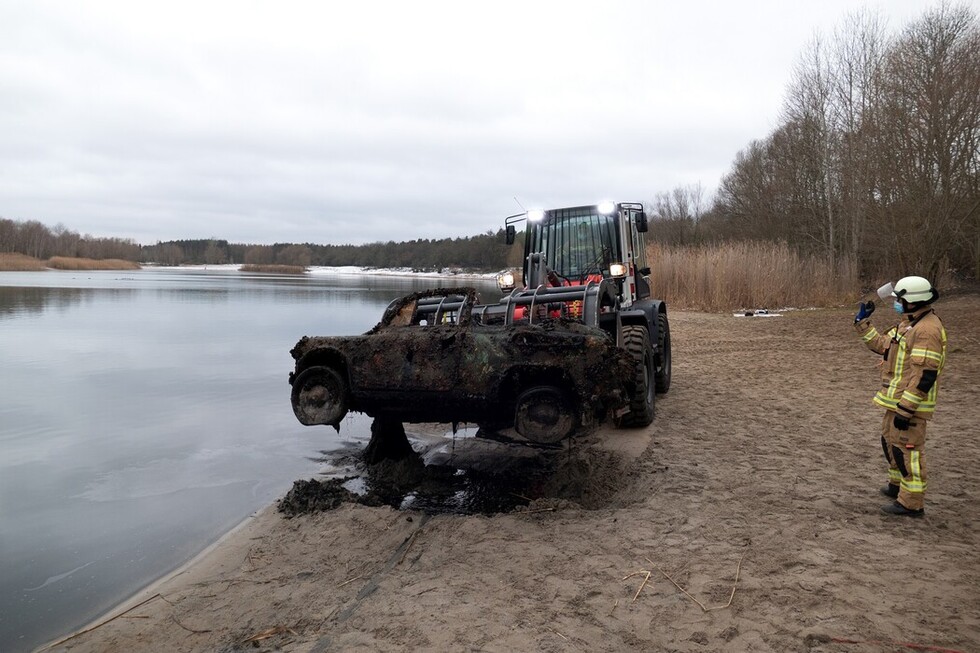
10	262
19	263
69	263
276	269
739	276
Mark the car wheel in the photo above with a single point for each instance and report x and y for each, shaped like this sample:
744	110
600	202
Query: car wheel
320	396
636	341
544	415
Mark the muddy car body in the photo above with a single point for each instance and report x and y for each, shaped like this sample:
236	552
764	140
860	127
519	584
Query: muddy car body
438	356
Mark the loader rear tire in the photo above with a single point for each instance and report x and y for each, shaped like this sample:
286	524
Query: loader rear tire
662	368
636	341
320	396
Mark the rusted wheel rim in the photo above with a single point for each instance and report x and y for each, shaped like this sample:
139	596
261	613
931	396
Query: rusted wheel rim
319	396
543	415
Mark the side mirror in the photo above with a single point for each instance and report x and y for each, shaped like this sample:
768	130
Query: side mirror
511	234
641	222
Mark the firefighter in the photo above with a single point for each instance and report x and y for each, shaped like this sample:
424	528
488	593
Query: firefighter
914	353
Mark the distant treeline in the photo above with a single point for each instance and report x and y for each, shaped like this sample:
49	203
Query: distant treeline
34	239
485	252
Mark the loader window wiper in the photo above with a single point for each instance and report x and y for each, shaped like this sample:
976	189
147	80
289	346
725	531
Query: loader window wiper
595	267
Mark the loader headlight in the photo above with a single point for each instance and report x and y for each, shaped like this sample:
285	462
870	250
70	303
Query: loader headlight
617	270
535	215
605	208
505	281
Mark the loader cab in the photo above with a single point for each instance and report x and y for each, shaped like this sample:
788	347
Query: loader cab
573	246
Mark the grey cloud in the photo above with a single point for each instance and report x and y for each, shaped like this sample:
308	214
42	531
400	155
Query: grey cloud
319	123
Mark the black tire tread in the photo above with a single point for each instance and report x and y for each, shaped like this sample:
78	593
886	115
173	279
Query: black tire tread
636	341
662	376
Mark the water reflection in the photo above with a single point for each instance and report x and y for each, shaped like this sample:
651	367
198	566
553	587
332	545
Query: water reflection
17	301
144	414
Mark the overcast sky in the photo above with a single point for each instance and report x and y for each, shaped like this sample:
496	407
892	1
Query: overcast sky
361	121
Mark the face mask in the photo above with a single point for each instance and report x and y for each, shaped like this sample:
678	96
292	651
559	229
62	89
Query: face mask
898	307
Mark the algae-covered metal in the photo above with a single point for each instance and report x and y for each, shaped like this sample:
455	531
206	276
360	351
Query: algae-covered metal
438	357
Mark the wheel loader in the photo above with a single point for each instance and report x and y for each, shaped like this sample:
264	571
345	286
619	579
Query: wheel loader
581	341
601	246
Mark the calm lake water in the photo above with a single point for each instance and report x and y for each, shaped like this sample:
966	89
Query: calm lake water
145	413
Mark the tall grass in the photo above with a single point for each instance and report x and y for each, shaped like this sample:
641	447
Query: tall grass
10	262
69	263
736	276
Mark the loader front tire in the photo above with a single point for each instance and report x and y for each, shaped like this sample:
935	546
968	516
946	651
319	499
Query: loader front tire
636	341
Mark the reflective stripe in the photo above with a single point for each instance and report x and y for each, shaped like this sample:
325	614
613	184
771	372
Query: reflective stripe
884	401
888	397
942	355
915	484
894	476
929	403
909	398
898	357
928	354
892	404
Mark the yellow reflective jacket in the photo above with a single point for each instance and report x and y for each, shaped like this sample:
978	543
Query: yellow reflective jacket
914	353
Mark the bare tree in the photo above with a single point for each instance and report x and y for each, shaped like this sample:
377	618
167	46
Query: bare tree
856	63
35	239
8	235
67	242
929	134
298	255
876	160
260	255
678	213
809	109
753	197
169	254
214	255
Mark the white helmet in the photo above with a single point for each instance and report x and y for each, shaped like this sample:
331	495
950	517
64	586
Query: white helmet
914	290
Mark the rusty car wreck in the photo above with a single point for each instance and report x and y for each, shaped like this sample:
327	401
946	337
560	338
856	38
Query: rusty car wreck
439	356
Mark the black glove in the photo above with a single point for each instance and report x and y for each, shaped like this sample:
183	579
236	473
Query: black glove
865	309
901	422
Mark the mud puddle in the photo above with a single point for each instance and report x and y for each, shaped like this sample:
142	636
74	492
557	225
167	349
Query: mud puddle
463	475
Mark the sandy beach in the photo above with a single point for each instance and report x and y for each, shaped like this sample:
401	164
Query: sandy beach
746	518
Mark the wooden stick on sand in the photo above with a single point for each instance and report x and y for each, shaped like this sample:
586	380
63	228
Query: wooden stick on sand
642	585
738	568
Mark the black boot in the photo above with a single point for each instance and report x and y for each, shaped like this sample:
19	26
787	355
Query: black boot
890	491
898	509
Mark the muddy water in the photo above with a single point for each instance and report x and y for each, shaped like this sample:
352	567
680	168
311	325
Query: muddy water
145	413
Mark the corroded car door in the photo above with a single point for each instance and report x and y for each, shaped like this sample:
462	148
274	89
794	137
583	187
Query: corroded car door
410	356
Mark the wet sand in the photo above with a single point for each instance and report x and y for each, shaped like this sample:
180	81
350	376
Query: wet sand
746	518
